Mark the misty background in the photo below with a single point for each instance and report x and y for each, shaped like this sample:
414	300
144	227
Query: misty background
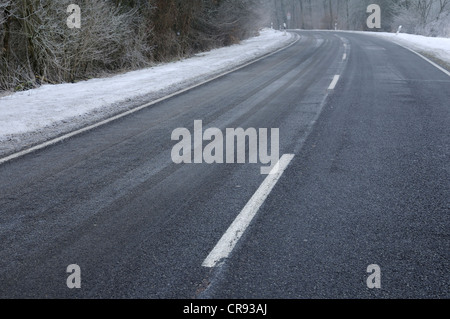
37	47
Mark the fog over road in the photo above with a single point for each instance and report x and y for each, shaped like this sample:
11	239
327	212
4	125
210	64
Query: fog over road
368	123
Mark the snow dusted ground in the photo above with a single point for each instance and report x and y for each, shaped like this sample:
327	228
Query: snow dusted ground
434	47
34	116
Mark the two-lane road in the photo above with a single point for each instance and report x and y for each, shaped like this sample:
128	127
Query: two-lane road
369	184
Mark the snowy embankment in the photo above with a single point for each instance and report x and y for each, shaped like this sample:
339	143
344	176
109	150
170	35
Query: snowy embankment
432	47
40	114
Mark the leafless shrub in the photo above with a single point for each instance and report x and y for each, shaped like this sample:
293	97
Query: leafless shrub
45	50
36	45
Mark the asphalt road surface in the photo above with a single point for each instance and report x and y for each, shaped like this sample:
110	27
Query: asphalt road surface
368	184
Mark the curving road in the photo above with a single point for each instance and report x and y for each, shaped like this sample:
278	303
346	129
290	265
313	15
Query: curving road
369	184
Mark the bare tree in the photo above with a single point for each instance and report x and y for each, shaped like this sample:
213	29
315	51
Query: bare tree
426	17
44	49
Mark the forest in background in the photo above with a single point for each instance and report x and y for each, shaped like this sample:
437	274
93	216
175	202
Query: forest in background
423	17
37	47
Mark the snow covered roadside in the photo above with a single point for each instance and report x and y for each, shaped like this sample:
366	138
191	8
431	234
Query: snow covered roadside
34	116
431	47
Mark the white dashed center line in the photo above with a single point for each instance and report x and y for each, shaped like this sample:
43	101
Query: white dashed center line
334	82
229	240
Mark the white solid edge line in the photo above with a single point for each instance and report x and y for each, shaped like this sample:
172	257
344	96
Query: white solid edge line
230	238
425	58
334	82
416	53
409	49
116	117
